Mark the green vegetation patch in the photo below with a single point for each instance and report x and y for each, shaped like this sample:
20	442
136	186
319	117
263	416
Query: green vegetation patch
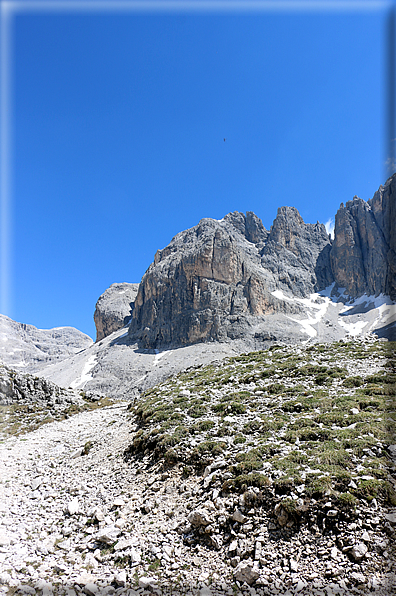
290	416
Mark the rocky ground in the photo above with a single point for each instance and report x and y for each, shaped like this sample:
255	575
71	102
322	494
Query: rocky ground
270	473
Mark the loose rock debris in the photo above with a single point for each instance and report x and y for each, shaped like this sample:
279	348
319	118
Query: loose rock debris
261	508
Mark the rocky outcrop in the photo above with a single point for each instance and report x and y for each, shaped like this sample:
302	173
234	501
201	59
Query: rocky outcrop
213	280
363	255
114	308
24	389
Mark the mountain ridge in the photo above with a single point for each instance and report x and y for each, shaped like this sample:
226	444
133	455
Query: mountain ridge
231	286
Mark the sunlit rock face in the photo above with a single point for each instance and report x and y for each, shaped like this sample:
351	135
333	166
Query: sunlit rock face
363	255
24	347
214	280
114	308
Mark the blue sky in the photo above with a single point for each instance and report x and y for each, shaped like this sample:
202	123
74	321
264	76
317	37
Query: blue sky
118	123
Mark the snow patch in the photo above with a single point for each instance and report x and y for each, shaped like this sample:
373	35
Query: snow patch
86	374
123	335
326	293
352	328
316	306
329	225
158	356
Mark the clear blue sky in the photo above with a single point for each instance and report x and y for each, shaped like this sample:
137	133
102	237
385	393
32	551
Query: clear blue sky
118	128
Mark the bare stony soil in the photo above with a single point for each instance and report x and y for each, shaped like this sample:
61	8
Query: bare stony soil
265	473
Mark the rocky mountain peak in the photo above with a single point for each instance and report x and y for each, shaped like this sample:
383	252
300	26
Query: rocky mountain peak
210	281
249	225
114	308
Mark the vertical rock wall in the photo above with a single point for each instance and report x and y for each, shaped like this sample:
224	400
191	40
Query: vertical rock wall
363	255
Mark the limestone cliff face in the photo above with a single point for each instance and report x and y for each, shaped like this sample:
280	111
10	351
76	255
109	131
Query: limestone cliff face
363	255
114	308
221	278
212	280
383	205
297	254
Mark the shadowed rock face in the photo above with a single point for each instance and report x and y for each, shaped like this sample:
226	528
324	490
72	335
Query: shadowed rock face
114	308
383	205
212	280
297	254
363	255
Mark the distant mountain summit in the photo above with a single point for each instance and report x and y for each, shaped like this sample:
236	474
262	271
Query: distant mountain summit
24	347
114	308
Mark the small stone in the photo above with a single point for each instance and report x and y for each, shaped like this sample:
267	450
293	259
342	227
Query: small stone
91	589
167	549
73	507
4	539
354	411
120	578
391	517
359	551
199	518
118	503
27	590
366	537
239	517
293	565
98	514
146	582
125	543
235	560
233	547
134	556
84	579
245	572
108	534
5	578
358	578
36	482
215	542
